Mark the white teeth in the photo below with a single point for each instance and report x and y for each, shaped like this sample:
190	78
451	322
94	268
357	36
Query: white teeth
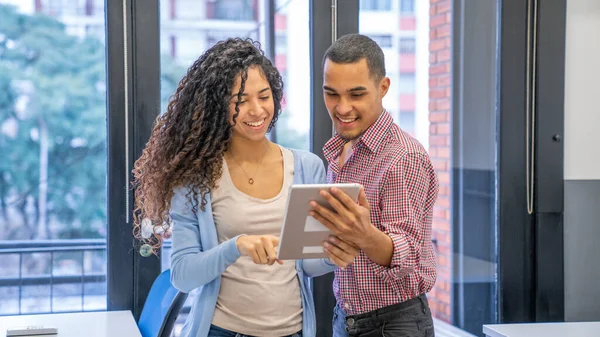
347	120
256	124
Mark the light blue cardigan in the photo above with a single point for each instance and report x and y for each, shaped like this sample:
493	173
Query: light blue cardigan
198	260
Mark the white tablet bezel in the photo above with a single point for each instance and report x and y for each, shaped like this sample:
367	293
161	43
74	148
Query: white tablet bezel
301	235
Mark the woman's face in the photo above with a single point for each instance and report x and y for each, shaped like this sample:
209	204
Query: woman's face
256	105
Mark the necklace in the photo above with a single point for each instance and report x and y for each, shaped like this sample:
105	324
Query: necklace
250	179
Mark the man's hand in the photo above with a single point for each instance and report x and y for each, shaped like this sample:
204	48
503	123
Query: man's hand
260	248
340	252
349	221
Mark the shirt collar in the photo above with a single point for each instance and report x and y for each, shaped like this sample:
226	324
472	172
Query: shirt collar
372	138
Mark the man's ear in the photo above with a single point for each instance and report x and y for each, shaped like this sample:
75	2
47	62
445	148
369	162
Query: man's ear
384	86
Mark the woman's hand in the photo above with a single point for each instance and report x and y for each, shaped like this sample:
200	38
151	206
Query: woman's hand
340	252
260	248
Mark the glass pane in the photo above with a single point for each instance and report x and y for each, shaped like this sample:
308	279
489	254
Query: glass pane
35	299
189	27
293	61
457	124
53	132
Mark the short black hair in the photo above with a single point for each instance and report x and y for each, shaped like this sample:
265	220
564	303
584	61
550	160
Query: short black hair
352	48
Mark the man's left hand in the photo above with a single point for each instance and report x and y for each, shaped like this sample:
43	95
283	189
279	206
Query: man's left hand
350	221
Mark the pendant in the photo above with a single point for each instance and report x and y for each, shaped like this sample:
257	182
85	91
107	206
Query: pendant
250	181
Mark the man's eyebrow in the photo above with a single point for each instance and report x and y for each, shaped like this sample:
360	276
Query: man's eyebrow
359	88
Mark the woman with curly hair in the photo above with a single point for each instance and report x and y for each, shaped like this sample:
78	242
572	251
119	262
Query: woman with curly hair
209	172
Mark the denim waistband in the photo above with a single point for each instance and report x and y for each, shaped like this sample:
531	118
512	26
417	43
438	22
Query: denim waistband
419	300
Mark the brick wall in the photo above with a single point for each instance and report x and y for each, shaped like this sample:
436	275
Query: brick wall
440	79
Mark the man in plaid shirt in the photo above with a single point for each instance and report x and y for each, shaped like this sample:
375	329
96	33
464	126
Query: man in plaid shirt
382	293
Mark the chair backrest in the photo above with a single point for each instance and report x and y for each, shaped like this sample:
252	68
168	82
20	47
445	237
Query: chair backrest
161	307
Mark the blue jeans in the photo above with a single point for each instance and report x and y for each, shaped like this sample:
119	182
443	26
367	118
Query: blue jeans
407	319
215	331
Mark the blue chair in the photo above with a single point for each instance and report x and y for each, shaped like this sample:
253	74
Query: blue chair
161	307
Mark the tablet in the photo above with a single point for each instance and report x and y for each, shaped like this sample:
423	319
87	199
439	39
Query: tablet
302	235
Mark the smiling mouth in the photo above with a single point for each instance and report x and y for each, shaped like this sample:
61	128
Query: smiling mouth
256	124
346	120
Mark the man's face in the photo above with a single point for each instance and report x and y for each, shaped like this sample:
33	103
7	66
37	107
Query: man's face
353	98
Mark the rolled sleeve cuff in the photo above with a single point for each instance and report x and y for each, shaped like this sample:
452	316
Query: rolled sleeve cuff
231	252
400	251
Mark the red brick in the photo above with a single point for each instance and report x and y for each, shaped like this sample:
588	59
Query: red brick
442	68
444	190
432	58
443	7
439	165
443	238
443	273
432	127
443	104
432	10
438	20
443	128
438	140
443	285
440	130
434	306
443	201
437	93
433	82
444	55
440	213
439	117
443	153
445	311
442	249
443	296
443	31
432	105
444	80
442	261
438	44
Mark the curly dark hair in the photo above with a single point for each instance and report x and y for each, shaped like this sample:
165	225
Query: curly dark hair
188	141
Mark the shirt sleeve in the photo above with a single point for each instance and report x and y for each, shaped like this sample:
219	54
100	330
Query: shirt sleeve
409	192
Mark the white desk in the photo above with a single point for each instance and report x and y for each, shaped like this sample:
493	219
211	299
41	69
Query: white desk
569	329
81	324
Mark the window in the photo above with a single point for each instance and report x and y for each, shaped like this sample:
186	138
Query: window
236	10
376	5
53	211
214	36
406	83
407	45
406	120
292	58
384	41
281	43
407	6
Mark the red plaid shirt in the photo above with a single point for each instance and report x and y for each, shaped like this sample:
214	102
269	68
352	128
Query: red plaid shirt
401	186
